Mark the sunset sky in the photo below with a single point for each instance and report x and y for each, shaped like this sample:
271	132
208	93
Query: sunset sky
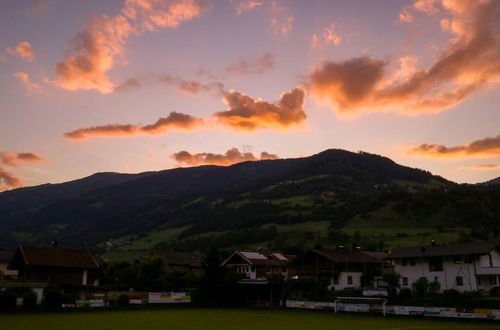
137	85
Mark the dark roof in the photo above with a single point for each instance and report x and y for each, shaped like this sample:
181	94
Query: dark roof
6	256
352	257
55	257
188	259
267	258
444	250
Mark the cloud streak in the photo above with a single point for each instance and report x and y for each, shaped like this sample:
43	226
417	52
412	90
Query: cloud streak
31	87
174	121
470	62
232	156
481	167
23	50
487	147
93	51
247	114
252	66
12	159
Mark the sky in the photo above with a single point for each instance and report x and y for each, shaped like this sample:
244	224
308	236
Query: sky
140	85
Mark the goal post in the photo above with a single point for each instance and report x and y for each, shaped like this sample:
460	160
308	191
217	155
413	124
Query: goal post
360	301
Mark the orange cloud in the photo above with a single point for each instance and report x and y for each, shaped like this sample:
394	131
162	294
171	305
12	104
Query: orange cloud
487	147
23	50
482	167
31	87
247	5
246	113
232	156
251	66
105	37
470	62
13	159
174	120
9	180
331	36
280	18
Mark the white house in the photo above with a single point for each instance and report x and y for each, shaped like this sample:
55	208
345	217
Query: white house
258	265
463	267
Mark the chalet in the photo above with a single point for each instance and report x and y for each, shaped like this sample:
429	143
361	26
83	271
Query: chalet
260	265
187	261
262	274
463	267
345	270
72	270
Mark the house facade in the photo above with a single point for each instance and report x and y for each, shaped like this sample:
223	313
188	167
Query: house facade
186	261
345	270
260	265
462	267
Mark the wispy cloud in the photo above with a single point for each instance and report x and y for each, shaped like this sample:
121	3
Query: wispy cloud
280	18
174	121
13	159
247	5
31	87
259	65
23	50
481	167
487	147
232	156
96	47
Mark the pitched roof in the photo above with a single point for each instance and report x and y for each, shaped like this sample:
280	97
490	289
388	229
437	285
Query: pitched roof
56	257
189	259
445	250
267	258
352	257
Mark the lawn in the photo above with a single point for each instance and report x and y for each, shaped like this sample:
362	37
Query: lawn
224	319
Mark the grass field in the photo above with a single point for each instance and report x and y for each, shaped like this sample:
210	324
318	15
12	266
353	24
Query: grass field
224	319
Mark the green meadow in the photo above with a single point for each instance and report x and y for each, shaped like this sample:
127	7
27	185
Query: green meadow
224	319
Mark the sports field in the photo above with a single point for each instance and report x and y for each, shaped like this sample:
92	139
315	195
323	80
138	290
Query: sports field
224	319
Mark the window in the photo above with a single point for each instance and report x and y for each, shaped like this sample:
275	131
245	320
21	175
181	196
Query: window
336	280
413	261
404	262
493	280
268	269
435	264
405	281
467	259
460	281
283	269
457	259
436	278
349	280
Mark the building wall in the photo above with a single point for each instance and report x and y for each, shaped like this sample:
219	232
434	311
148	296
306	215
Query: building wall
448	277
345	283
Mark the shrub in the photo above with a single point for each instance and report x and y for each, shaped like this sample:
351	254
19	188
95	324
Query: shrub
7	300
123	300
52	298
29	300
405	293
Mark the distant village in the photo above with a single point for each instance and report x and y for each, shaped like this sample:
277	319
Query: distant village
260	278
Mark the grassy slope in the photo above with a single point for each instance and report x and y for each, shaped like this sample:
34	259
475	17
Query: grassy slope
221	319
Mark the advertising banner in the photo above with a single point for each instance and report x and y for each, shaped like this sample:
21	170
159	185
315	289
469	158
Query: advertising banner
168	297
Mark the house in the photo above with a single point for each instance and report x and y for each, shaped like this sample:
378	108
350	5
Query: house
187	261
263	273
260	265
463	267
72	270
345	270
5	257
